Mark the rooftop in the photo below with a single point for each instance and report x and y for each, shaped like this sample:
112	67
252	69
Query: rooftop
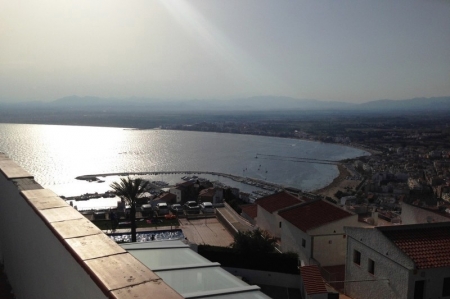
428	245
312	280
251	210
190	274
313	214
277	201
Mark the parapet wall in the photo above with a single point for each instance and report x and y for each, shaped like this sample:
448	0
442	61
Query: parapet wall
50	250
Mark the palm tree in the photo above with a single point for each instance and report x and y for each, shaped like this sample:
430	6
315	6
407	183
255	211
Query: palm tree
130	190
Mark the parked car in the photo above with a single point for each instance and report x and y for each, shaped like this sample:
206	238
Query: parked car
207	207
146	209
192	207
176	209
162	208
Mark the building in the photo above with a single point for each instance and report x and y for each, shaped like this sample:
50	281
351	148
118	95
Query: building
404	261
213	195
412	214
178	192
190	274
50	250
267	211
250	212
312	285
315	230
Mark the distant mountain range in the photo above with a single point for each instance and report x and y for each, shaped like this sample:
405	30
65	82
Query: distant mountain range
260	103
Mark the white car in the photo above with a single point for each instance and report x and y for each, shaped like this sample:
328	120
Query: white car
162	208
207	207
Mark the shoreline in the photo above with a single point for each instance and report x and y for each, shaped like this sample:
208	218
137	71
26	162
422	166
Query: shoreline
336	184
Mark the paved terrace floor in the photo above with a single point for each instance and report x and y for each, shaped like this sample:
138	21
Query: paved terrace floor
206	231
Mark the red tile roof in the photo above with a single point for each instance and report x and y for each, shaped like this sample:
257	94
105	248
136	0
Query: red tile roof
185	184
313	214
251	210
167	197
428	245
210	192
312	280
277	201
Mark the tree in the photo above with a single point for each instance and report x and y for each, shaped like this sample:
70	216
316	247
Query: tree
254	242
130	190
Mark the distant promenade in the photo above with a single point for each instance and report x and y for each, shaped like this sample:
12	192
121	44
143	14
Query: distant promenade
245	180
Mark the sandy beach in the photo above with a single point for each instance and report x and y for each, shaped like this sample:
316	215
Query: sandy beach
339	183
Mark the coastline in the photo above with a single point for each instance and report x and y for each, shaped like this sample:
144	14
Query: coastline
336	184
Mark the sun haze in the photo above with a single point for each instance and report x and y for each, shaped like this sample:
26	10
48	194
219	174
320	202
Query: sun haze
352	51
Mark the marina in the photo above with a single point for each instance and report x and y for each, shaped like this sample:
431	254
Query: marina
246	180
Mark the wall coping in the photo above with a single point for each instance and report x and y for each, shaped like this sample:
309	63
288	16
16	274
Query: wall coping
116	272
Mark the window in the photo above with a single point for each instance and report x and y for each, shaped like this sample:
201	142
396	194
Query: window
446	287
357	257
419	288
303	243
371	267
279	224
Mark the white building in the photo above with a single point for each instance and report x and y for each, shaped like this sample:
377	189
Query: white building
315	230
405	261
415	215
267	211
177	192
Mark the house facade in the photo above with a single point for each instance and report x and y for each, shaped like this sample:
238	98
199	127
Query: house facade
315	231
404	261
267	211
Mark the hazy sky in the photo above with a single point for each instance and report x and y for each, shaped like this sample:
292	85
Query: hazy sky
352	51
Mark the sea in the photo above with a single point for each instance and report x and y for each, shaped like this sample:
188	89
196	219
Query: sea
55	155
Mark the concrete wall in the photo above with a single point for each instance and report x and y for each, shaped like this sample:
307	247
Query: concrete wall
394	275
36	263
401	278
326	244
330	243
50	250
291	240
367	285
269	222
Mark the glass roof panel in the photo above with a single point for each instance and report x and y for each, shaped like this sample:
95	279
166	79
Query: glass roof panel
168	257
200	279
244	295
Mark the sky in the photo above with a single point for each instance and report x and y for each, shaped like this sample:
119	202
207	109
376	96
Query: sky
352	51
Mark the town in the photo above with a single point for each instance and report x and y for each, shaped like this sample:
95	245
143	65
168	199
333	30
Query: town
397	195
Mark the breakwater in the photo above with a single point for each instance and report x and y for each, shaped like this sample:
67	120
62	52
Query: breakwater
245	180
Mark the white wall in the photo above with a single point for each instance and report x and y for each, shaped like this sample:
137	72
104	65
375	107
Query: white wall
415	215
36	262
45	258
330	243
269	222
291	240
376	286
177	192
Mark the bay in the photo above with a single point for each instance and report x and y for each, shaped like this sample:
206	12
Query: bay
55	155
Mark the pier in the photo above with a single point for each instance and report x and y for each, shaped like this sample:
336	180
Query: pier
296	159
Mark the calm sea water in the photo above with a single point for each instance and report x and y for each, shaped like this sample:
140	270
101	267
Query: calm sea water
55	155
